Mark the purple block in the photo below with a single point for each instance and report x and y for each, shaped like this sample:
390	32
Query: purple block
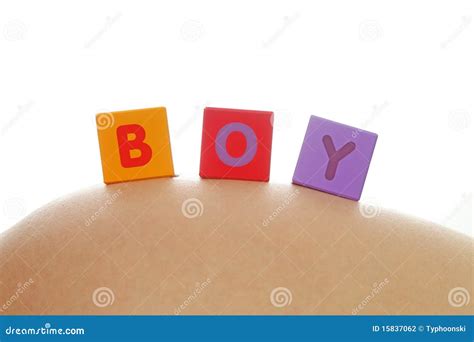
334	158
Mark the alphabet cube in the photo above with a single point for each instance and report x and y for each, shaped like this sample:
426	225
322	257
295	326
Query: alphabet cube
335	158
236	144
134	144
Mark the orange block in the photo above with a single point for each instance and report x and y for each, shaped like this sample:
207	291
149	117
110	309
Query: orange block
134	144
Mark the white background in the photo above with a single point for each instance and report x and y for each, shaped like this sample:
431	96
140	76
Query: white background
403	69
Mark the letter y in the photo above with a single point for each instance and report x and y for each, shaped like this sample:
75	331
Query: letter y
335	156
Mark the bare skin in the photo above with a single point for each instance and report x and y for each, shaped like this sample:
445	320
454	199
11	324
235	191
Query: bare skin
247	241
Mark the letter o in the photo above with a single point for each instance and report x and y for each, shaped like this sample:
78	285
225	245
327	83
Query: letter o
221	142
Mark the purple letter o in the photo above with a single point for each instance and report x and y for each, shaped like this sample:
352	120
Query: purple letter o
221	142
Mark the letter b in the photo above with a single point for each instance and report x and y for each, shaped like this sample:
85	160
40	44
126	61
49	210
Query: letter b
126	146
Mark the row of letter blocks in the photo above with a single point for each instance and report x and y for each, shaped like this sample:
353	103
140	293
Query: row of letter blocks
236	144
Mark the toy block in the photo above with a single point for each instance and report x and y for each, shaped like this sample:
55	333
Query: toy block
335	158
134	144
236	144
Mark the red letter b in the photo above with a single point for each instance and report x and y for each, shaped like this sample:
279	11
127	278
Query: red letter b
126	146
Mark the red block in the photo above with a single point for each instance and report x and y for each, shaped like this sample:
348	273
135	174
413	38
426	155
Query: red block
236	144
